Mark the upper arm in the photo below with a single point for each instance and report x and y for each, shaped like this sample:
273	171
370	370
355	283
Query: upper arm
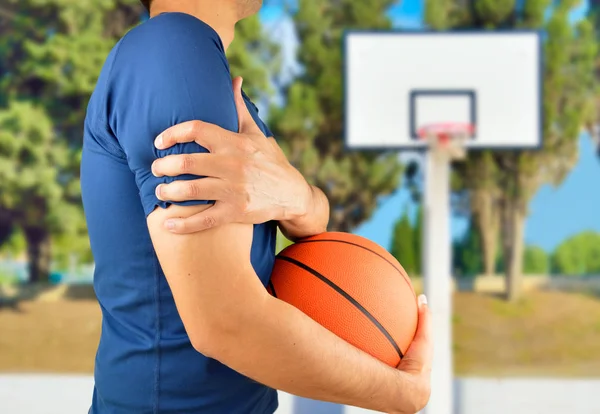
210	275
168	71
174	73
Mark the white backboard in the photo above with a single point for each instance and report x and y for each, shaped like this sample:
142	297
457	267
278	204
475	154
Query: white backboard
397	82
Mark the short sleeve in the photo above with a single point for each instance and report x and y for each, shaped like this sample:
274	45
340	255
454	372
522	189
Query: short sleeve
169	70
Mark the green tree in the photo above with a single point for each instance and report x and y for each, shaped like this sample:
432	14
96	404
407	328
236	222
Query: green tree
535	261
15	245
594	123
6	229
578	255
51	52
479	175
31	161
254	56
504	182
418	240
403	245
310	125
467	255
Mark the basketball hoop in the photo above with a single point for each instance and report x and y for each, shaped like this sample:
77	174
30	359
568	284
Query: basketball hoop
447	138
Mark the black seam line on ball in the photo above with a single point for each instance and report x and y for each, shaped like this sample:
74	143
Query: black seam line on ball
348	297
357	245
353	244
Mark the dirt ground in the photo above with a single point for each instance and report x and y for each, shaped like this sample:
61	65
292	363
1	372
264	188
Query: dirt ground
546	334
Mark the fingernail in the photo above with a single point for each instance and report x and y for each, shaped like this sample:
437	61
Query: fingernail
422	300
158	191
152	169
170	224
158	142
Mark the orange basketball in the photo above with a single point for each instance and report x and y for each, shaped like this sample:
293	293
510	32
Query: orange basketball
354	288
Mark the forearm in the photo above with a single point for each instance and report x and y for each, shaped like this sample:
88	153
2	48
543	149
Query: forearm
285	349
313	222
229	316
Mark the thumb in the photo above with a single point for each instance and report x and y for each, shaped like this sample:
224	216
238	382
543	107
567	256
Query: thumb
246	123
420	352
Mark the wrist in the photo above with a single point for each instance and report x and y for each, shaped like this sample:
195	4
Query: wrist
412	394
302	204
308	201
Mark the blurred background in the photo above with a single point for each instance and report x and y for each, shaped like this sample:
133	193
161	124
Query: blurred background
528	218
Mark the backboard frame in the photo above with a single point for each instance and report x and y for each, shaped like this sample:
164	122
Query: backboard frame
417	148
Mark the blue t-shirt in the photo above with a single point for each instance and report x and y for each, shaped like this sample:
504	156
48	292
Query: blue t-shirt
168	70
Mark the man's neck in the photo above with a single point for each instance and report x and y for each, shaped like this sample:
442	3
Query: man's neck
217	14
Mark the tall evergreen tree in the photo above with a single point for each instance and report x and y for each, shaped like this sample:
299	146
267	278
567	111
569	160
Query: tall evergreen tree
467	255
594	124
502	183
50	56
310	124
51	52
418	240
403	245
254	56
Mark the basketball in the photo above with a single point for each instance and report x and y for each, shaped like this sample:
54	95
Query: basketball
353	287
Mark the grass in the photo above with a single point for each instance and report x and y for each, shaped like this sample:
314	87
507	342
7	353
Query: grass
522	308
546	334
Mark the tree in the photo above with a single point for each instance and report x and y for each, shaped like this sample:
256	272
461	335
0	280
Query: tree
31	161
51	52
403	245
418	240
310	126
6	229
535	261
569	86
593	125
480	176
570	54
578	255
253	56
467	255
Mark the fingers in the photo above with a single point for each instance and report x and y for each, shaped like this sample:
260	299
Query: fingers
209	136
214	216
424	326
424	334
186	190
201	164
419	356
246	123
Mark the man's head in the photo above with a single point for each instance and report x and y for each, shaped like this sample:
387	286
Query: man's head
243	8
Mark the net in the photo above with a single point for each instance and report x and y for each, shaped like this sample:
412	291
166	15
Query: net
447	139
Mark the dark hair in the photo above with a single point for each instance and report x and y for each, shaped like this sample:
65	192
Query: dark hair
146	4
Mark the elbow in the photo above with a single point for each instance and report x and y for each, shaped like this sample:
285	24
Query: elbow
221	336
211	340
203	341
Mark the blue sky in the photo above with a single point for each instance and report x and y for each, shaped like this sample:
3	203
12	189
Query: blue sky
554	213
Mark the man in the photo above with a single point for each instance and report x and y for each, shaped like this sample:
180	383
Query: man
188	326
